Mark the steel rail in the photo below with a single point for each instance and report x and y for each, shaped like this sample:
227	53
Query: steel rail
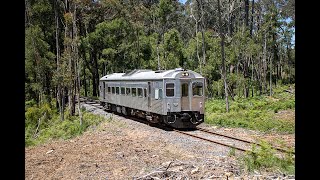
250	142
241	149
203	130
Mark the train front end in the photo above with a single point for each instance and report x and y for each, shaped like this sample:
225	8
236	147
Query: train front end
185	99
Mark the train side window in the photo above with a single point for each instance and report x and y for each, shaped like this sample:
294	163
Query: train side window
160	93
197	89
134	91
122	91
145	92
104	85
128	91
113	90
109	90
139	92
170	89
117	90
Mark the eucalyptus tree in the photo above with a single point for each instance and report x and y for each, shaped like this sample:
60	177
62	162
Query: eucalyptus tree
39	58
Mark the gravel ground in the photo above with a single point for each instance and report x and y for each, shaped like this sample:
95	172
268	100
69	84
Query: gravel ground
122	148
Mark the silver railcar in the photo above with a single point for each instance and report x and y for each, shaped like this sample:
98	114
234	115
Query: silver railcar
174	97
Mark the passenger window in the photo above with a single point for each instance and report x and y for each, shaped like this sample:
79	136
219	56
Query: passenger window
123	91
134	91
170	89
113	90
197	88
160	93
117	90
184	90
156	93
109	89
104	85
145	92
128	91
139	92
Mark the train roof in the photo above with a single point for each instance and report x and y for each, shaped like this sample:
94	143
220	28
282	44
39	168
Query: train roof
146	74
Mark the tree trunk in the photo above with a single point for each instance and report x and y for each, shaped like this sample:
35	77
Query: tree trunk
59	95
270	75
246	15
84	74
252	85
94	71
158	53
230	17
264	63
252	12
197	40
138	49
202	33
62	104
77	67
223	57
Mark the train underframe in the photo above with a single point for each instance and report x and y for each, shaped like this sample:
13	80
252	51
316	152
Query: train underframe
179	120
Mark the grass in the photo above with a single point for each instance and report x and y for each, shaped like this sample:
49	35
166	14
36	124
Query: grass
256	113
265	158
51	127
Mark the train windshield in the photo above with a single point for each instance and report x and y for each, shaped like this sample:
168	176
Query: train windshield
197	88
169	89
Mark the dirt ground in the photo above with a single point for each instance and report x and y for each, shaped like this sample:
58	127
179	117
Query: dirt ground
126	149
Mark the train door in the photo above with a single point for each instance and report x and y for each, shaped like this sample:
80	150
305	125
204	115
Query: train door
104	90
185	95
149	95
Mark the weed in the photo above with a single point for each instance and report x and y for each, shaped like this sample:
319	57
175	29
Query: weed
256	113
51	127
232	152
265	158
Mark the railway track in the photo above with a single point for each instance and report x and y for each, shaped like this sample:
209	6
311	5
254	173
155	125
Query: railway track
228	137
96	103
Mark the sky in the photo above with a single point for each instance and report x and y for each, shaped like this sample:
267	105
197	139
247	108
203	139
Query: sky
182	1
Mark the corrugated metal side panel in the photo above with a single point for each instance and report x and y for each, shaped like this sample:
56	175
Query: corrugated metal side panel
156	106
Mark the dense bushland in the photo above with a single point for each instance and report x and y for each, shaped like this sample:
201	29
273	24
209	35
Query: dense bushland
257	113
42	123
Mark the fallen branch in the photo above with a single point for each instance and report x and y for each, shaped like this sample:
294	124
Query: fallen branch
213	176
152	173
169	165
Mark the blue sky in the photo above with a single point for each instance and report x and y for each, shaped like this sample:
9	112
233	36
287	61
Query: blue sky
182	1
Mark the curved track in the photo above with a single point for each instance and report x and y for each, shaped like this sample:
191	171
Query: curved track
96	103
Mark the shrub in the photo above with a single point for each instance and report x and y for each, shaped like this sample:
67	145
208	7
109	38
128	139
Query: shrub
257	113
265	158
51	127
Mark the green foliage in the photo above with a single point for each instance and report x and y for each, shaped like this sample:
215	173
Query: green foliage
265	158
165	8
51	127
257	113
38	60
232	152
173	48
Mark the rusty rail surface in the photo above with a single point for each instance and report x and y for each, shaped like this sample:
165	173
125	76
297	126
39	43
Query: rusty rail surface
223	144
246	141
91	102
